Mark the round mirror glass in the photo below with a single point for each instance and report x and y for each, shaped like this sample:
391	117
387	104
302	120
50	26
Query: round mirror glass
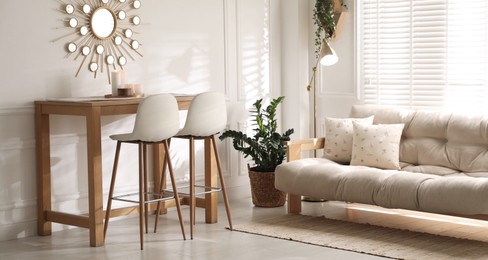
110	59
121	15
85	50
93	67
73	22
72	47
137	4
70	9
136	20
86	9
83	30
128	33
135	45
103	23
100	49
122	60
118	40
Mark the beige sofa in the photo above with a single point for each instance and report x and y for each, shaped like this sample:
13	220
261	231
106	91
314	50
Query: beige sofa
443	166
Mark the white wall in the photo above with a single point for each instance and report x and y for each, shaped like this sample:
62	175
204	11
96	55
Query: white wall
188	47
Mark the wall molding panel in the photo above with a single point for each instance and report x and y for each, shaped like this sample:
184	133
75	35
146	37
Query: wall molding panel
229	44
18	229
18	204
226	151
241	161
247	52
17	111
18	144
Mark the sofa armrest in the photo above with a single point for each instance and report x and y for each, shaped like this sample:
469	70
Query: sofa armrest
294	151
295	148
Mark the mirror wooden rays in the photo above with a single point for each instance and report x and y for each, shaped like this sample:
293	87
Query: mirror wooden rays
101	33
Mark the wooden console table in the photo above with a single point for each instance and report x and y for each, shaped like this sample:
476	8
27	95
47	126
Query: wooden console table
93	110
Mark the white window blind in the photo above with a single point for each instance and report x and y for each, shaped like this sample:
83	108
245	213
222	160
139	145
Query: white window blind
424	53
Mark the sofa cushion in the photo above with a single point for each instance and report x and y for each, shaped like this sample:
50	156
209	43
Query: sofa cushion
325	179
322	178
376	145
444	139
338	137
430	169
361	184
454	195
309	177
400	190
384	115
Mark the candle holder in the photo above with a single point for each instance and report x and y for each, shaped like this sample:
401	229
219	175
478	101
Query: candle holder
124	92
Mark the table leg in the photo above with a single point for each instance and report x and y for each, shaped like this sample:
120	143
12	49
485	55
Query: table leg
43	161
211	199
95	187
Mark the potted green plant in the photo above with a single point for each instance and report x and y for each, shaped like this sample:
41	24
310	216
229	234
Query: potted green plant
266	148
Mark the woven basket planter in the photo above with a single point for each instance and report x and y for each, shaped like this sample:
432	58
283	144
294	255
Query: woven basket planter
263	190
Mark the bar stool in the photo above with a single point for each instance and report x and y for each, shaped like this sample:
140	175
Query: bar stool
207	116
157	120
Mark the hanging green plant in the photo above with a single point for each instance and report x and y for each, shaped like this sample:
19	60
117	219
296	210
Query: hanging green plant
323	16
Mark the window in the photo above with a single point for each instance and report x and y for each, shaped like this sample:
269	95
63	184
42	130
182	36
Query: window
424	53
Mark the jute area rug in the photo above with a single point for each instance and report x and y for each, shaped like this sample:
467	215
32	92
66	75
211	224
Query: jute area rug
364	238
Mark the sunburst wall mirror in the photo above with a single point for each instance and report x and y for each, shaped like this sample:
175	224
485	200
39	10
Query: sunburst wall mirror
102	33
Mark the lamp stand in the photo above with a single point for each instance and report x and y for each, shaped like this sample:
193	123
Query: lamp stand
312	84
327	57
314	105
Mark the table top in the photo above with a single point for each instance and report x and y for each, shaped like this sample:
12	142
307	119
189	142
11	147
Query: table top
101	101
84	106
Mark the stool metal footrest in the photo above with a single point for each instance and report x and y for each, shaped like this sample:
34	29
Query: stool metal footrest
121	197
212	189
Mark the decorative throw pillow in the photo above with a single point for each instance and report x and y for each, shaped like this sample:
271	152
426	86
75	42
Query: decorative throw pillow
377	145
338	137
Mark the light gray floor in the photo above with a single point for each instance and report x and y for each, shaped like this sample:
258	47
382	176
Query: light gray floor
212	241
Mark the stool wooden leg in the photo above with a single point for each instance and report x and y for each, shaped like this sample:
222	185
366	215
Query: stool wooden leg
192	186
161	187
222	182
111	191
141	196
146	206
173	183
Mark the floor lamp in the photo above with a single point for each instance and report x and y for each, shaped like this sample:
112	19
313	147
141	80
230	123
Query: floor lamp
327	57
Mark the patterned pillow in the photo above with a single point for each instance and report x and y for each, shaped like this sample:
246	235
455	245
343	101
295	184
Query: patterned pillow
377	145
338	137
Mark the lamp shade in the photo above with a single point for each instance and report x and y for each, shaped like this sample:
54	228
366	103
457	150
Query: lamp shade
327	55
